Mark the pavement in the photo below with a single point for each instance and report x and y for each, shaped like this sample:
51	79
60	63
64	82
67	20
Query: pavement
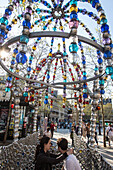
107	152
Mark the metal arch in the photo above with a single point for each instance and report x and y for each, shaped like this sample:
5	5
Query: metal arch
55	34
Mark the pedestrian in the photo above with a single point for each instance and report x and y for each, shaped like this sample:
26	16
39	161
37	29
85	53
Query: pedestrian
77	128
96	139
71	162
88	132
44	159
52	127
109	133
72	135
47	132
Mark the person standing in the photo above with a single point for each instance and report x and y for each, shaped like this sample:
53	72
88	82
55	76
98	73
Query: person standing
108	132
71	162
52	127
88	132
72	135
44	159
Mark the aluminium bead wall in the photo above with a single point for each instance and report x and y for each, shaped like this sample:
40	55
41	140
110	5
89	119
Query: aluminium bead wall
20	155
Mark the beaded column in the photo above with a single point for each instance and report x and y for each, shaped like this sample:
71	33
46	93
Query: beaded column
96	96
17	95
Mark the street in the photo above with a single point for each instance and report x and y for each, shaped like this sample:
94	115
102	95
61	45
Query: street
107	152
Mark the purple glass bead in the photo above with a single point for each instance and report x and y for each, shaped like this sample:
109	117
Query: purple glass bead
1	39
106	41
29	9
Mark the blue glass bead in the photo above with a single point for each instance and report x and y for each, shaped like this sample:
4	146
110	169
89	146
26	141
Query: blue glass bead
84	73
91	1
28	76
96	68
37	22
48	6
24	38
84	62
38	11
73	48
54	28
84	90
63	39
25	94
109	70
48	76
43	18
64	87
36	0
84	85
50	50
18	163
102	91
52	40
64	60
5	36
15	50
12	62
29	69
8	11
30	61
4	20
73	15
112	76
55	5
94	3
9	79
21	58
45	101
107	54
73	2
101	82
104	28
64	81
99	8
85	95
64	53
31	58
7	89
90	14
11	69
26	23
39	38
45	27
2	32
8	27
103	21
100	60
46	97
20	17
98	52
84	77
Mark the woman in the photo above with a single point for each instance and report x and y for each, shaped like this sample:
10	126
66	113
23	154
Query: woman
44	159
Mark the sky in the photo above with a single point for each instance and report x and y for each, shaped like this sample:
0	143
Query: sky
106	4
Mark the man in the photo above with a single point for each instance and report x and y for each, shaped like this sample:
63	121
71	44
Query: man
71	162
52	126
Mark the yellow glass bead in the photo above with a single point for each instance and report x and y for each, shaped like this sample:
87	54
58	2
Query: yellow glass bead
14	21
50	54
63	42
14	55
61	27
73	8
51	107
34	48
98	21
59	46
24	1
17	70
32	26
49	21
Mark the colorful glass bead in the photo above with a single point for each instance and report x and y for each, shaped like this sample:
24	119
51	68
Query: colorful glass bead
109	70
21	58
73	48
4	20
24	38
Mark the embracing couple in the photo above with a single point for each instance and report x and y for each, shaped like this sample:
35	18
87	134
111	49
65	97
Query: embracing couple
44	159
